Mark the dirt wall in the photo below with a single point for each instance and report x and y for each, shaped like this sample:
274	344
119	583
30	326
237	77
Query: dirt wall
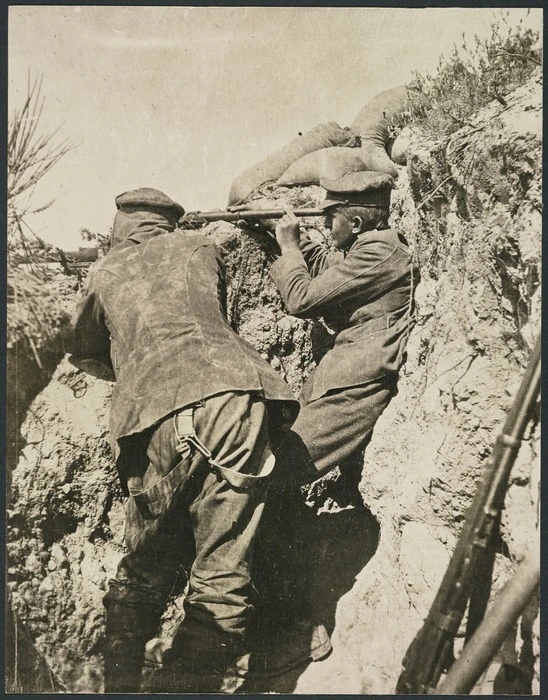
471	210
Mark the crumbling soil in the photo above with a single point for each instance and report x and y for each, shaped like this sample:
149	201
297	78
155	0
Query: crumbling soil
471	210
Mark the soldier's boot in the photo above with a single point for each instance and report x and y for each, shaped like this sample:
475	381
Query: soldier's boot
128	628
197	660
275	655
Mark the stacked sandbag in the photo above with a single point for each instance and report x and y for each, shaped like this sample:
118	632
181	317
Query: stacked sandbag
379	120
376	125
335	162
398	150
376	120
331	162
273	166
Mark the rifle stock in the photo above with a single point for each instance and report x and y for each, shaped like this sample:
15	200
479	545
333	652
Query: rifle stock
499	620
431	652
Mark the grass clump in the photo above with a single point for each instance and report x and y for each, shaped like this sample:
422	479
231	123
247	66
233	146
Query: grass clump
37	306
34	292
474	75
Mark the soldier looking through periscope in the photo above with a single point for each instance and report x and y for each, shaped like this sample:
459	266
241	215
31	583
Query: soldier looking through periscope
196	413
364	292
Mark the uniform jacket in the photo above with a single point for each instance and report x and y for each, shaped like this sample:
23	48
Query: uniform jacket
365	295
153	313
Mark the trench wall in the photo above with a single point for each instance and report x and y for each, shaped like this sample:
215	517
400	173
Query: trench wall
471	210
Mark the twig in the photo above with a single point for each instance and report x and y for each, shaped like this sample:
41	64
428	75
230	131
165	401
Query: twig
431	194
518	55
460	144
31	155
35	352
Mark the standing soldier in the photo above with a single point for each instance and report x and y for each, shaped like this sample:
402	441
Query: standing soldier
195	411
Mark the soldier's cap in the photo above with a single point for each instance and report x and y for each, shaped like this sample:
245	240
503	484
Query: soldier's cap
363	189
148	197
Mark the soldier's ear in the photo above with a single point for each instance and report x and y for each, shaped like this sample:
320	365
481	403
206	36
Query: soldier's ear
357	224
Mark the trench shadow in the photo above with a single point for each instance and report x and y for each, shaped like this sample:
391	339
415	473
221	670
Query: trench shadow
331	543
345	541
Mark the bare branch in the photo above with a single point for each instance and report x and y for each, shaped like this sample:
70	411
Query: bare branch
519	55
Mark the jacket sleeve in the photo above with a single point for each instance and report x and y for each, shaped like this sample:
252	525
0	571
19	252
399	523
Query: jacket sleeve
307	297
318	257
90	340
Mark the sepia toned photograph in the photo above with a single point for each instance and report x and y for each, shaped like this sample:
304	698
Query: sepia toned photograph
273	350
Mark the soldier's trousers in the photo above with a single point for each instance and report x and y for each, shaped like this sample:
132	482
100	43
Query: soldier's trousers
205	525
339	424
330	430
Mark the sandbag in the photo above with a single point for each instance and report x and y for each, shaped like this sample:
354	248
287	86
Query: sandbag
333	163
376	120
376	158
398	150
273	166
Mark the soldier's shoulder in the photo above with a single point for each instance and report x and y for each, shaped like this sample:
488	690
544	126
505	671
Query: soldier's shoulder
398	236
189	240
174	245
116	263
113	259
384	235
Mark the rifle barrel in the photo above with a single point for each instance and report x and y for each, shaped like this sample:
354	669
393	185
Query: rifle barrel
430	651
247	214
83	256
499	620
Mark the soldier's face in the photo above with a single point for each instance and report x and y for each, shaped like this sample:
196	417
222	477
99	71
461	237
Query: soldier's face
341	227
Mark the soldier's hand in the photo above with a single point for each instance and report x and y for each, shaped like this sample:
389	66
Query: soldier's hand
255	225
245	225
288	231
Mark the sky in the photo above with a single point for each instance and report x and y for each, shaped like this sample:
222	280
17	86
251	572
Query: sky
183	99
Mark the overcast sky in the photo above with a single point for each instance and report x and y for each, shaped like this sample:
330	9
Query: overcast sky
183	99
